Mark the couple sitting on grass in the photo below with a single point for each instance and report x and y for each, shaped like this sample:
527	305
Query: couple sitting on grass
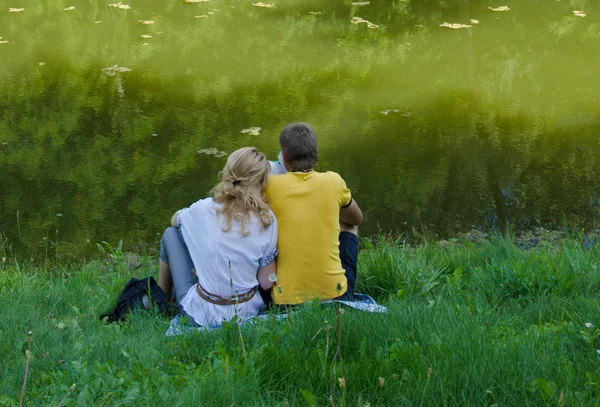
291	237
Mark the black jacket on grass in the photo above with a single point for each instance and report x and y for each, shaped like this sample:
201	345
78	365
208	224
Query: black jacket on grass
137	294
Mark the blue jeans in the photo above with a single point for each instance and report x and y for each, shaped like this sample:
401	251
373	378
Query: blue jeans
175	253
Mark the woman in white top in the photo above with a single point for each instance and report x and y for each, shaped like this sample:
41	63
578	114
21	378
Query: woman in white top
221	248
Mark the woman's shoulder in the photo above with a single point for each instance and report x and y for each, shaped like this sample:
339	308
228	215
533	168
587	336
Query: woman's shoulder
198	207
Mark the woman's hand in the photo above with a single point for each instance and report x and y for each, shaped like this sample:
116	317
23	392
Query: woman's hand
264	275
174	219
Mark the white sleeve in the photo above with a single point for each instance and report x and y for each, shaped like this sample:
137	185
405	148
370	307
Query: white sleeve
185	215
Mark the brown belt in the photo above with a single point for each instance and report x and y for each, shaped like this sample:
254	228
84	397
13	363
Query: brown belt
218	300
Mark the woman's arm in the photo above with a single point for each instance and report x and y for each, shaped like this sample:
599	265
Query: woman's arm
263	275
174	219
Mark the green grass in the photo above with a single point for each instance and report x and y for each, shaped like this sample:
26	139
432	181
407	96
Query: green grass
492	324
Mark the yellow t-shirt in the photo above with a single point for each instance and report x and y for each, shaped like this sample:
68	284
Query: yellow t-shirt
307	206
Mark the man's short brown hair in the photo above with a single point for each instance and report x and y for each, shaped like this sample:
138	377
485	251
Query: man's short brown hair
299	143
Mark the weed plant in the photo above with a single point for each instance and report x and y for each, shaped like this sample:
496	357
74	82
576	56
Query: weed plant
482	325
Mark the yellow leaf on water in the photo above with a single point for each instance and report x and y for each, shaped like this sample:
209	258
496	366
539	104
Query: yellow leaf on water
455	26
3	42
501	8
196	1
121	6
70	8
146	22
252	131
266	5
361	3
579	13
473	21
146	36
202	16
315	13
15	10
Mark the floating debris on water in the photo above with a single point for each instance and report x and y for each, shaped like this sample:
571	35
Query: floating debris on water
212	151
315	13
97	22
407	114
113	70
202	16
252	131
154	134
501	8
121	6
360	3
473	21
146	22
42	64
210	13
387	111
3	42
579	13
455	26
15	10
70	8
358	20
266	5
196	1
146	36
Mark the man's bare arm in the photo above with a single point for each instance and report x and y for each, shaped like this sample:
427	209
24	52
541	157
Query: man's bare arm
351	215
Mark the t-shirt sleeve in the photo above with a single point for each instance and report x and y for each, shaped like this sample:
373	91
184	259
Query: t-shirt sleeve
345	196
186	215
270	248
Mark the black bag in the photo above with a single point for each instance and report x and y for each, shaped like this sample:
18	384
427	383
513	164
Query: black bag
137	294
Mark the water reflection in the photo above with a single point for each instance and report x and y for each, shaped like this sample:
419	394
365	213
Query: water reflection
114	124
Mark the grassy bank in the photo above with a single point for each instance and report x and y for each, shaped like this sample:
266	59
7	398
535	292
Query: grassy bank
468	324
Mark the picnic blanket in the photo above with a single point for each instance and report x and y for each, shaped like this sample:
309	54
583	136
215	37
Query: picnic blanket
361	302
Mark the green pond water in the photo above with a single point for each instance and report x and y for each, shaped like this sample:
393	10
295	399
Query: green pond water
435	129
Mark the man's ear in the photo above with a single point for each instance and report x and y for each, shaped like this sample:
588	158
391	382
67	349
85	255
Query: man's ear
285	160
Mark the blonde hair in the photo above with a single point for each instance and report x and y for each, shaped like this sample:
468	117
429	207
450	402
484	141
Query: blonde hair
240	191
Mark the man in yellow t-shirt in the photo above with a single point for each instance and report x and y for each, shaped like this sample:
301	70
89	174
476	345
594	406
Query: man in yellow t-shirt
318	224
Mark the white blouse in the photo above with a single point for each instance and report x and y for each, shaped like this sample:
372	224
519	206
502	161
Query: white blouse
226	262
